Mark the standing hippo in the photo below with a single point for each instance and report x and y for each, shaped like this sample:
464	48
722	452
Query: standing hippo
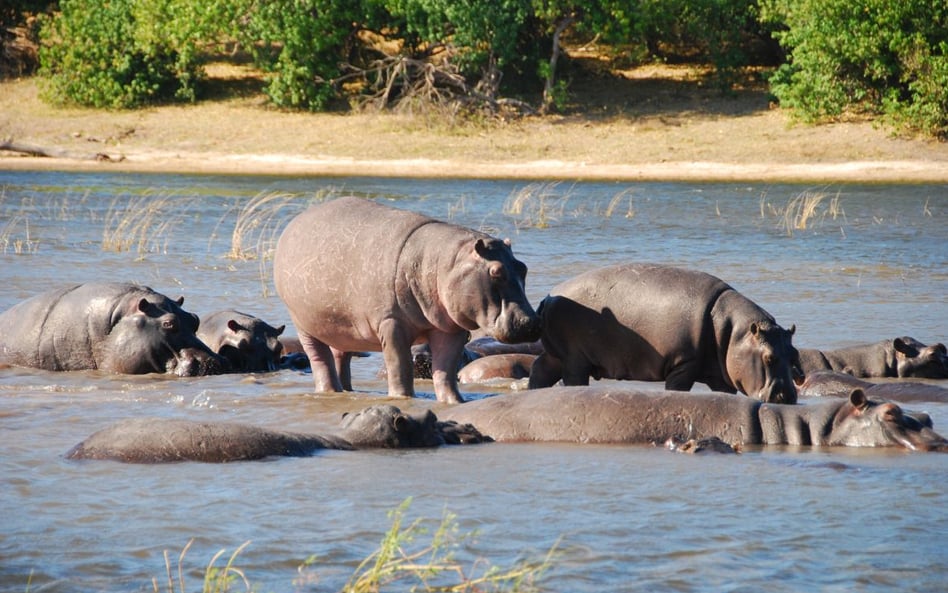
114	327
615	414
652	323
356	275
898	357
836	384
160	440
249	343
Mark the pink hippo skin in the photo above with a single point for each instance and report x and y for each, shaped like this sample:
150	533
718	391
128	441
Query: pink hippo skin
114	327
356	275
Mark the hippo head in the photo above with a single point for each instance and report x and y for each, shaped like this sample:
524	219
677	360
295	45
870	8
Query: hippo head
861	422
486	291
763	362
386	426
915	359
252	345
157	337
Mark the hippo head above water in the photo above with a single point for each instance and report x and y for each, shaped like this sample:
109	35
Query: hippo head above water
862	422
388	427
761	362
915	359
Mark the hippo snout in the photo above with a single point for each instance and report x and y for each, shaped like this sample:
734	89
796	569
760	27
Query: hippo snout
778	392
517	324
192	362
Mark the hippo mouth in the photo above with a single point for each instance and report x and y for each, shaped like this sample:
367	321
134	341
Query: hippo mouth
514	325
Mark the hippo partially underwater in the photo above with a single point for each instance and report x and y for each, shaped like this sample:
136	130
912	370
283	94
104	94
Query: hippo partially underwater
616	414
162	440
249	343
836	384
357	275
113	327
896	357
660	323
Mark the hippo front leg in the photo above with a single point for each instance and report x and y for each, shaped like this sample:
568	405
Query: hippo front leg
446	352
322	362
546	371
396	351
343	362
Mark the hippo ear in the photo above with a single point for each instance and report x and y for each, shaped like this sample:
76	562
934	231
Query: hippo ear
793	329
233	326
481	248
858	399
279	330
143	305
939	347
507	241
180	301
400	422
904	347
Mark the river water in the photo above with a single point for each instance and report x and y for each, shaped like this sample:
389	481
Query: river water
871	262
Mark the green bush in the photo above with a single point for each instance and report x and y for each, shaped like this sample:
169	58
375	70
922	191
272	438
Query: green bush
875	57
98	54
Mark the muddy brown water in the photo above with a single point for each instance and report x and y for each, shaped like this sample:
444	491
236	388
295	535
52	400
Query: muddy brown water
871	263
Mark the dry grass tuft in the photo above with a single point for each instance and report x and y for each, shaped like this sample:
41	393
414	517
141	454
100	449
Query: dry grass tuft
803	211
140	224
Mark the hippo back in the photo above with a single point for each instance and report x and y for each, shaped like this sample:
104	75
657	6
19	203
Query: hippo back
610	414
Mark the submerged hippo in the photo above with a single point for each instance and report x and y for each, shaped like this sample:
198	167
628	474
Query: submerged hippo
836	384
898	357
356	275
615	414
159	440
653	323
114	327
497	366
249	343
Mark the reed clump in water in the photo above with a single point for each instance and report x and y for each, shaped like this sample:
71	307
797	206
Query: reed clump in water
406	560
803	211
140	224
20	246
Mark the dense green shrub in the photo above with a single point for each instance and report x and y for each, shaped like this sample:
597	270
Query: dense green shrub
127	53
864	56
302	44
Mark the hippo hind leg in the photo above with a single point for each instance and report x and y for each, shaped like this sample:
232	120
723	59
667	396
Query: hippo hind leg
322	362
681	378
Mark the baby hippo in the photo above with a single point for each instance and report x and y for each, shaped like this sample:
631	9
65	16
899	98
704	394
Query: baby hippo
249	343
162	440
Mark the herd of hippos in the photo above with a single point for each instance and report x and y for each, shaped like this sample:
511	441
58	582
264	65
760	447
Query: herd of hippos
359	276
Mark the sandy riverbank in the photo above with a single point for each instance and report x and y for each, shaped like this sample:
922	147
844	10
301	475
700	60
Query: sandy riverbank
665	130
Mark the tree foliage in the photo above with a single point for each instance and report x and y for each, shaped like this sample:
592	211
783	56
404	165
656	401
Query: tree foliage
872	56
864	56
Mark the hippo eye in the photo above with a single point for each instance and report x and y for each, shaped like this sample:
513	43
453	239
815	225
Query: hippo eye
768	359
170	326
497	272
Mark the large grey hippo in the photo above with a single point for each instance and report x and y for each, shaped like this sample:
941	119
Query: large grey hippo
611	413
898	357
660	323
159	440
249	343
356	275
836	384
114	327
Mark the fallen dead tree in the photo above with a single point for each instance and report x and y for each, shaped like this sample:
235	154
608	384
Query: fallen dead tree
11	145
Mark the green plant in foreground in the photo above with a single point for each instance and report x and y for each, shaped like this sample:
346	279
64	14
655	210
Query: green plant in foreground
433	565
402	559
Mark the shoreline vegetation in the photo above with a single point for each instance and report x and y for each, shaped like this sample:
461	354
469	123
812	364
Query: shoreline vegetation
656	122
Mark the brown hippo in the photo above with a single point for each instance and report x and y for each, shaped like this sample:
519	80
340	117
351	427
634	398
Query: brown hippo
356	275
159	440
249	343
610	413
497	366
898	357
114	327
836	384
652	323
